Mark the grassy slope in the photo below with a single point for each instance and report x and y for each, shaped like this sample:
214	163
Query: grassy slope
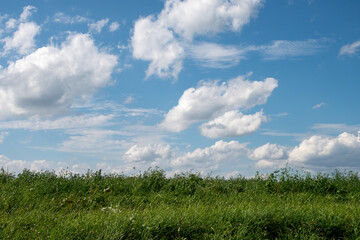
285	205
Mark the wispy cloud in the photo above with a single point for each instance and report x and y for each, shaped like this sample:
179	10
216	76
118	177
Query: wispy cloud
214	55
280	49
68	122
318	105
336	128
350	49
66	19
2	136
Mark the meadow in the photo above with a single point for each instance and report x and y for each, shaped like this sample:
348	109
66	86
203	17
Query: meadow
285	204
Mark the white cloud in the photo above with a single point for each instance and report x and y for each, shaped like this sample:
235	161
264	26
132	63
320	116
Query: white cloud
2	136
336	128
27	12
211	99
23	39
283	49
340	151
49	79
151	41
17	166
114	26
68	122
66	19
232	124
350	49
269	151
148	153
198	17
210	158
11	23
318	105
215	55
224	56
201	159
98	26
161	39
316	152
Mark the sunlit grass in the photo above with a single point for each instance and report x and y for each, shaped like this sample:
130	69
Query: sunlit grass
284	205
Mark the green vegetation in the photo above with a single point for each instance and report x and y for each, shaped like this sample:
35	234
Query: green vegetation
286	204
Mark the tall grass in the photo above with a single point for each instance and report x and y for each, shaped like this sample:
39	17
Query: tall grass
285	204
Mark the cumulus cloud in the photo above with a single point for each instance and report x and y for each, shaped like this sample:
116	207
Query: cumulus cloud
232	124
49	79
342	151
204	159
350	49
198	17
23	39
98	26
210	158
161	39
212	99
150	153
154	42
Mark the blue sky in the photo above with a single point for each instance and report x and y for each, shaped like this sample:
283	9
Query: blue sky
216	86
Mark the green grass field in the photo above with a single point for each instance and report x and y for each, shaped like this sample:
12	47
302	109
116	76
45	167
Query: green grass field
286	204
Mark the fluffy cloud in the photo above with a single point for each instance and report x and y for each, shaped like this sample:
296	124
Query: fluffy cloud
314	152
148	153
204	159
23	38
269	151
213	99
152	41
343	151
232	124
161	39
350	49
47	81
210	158
197	17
